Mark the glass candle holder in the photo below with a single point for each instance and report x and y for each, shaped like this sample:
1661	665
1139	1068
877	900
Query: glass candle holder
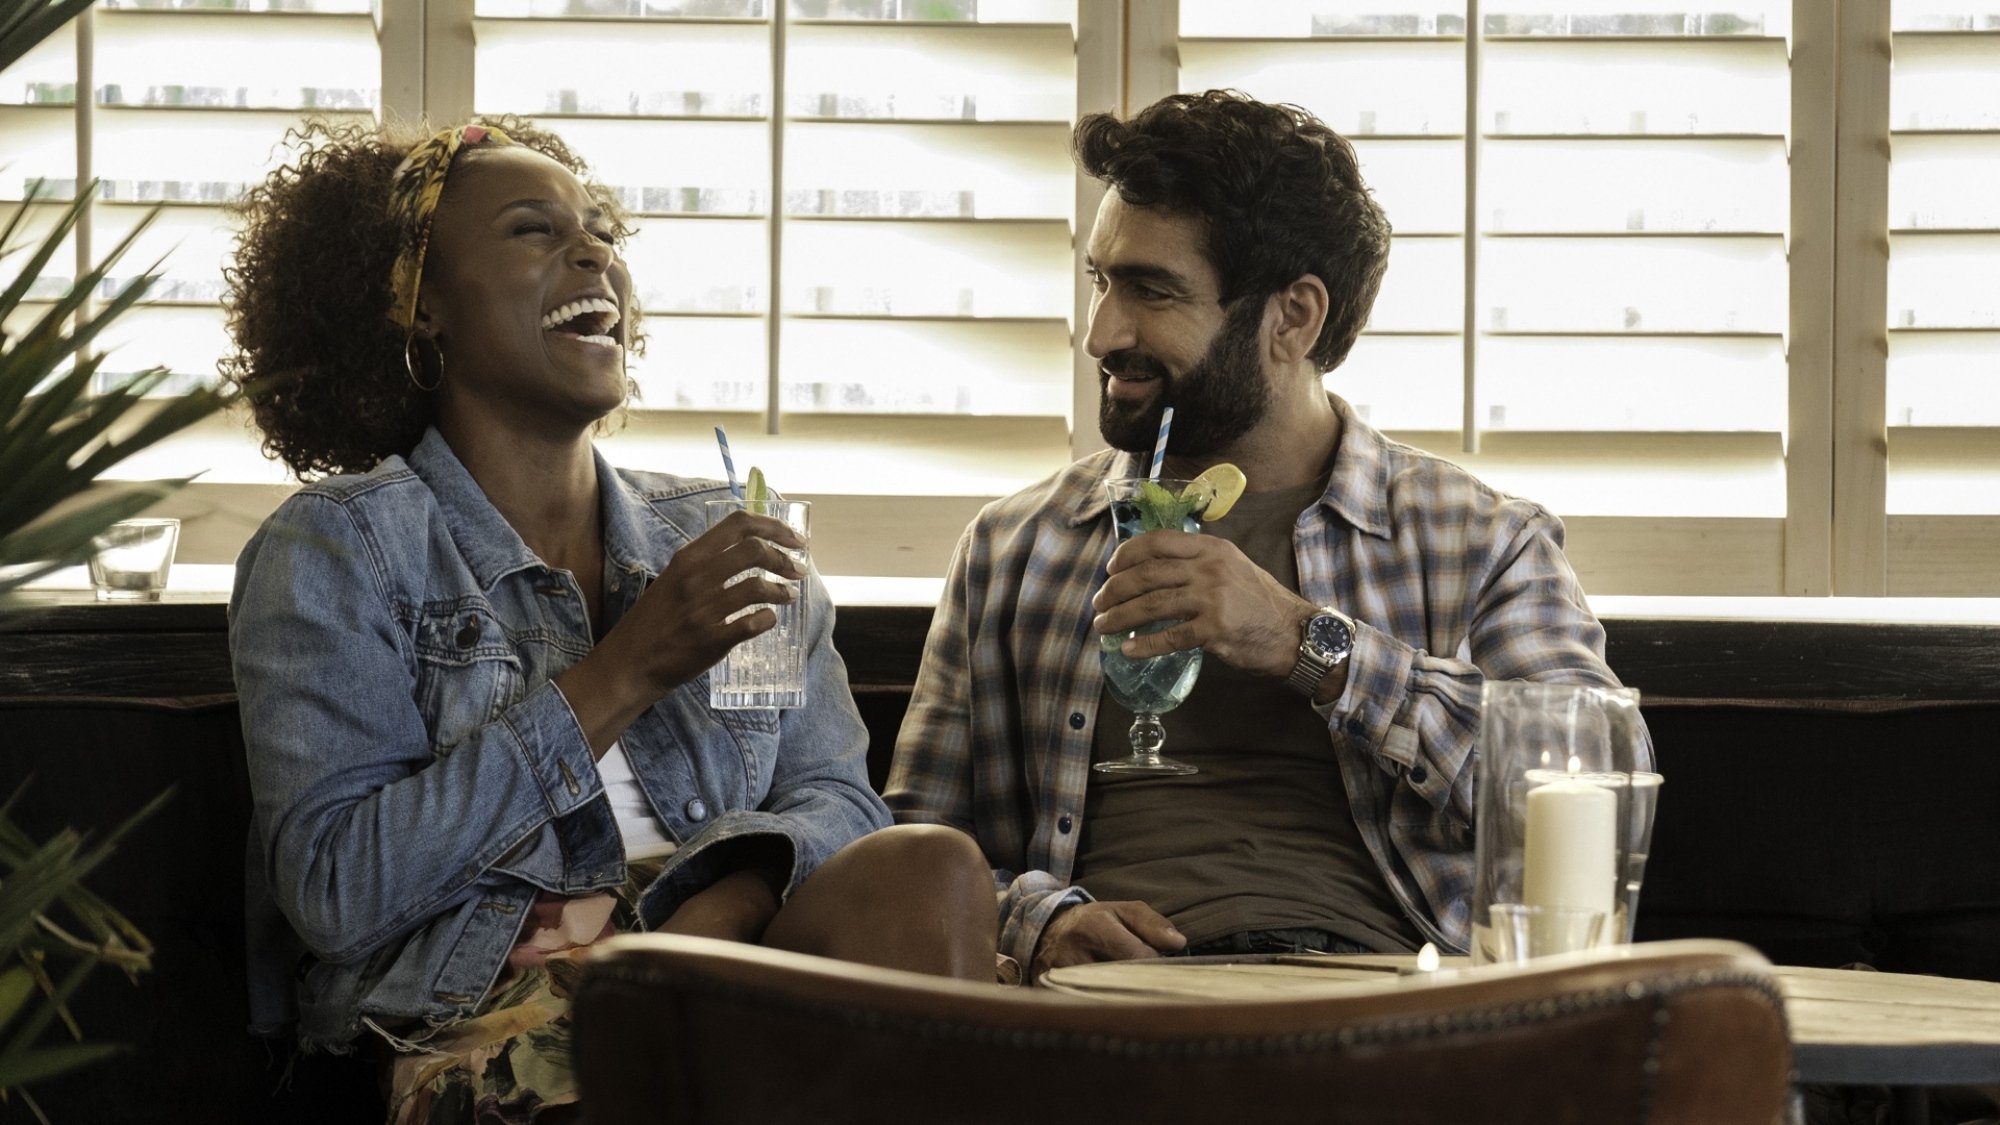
1565	819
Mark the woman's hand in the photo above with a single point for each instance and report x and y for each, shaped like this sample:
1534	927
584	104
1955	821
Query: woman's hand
736	907
679	627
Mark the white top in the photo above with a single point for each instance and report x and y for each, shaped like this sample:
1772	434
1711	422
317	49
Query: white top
636	822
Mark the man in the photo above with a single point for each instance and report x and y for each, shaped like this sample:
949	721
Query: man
1349	609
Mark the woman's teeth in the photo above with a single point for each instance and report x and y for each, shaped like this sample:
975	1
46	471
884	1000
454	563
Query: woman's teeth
593	317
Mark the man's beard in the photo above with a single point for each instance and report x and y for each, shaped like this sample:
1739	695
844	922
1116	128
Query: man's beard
1218	400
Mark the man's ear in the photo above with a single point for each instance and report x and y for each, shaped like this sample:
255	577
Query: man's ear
1301	312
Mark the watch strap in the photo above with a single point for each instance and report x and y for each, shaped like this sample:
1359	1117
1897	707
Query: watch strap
1307	672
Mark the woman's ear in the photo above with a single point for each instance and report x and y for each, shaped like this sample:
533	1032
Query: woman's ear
426	326
1301	311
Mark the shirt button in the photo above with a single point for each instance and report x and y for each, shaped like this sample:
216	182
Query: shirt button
1356	727
696	809
468	633
1063	824
1419	775
1076	720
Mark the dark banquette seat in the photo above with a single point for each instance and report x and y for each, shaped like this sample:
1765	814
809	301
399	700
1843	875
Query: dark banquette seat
1829	801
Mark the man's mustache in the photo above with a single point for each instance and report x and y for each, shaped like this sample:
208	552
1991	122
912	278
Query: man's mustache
1130	363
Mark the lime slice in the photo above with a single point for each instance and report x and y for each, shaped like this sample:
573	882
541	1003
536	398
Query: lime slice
1224	482
756	491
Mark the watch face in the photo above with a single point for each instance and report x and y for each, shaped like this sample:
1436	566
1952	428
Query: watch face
1330	635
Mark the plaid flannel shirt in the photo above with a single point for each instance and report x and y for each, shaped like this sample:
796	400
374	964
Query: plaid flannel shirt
1449	582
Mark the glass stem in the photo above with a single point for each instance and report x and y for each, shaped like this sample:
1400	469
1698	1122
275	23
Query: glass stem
1148	735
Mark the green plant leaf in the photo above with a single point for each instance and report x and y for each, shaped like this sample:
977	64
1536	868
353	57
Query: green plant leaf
10	297
57	436
24	23
48	331
45	1013
17	986
47	1062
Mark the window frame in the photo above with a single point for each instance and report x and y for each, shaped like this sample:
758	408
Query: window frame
1836	535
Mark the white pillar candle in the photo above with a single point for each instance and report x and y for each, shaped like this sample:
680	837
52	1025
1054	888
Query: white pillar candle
1572	852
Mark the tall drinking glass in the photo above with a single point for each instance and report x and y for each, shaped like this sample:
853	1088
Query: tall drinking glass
769	669
1157	684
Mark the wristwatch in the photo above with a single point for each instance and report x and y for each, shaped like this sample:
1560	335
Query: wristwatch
1326	639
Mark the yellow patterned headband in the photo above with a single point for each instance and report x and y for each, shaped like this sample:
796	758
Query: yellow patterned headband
414	190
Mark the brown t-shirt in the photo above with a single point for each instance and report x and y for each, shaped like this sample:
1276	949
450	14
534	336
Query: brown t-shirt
1262	837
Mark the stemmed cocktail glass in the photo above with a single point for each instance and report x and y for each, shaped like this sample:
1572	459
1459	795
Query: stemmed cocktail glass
1154	685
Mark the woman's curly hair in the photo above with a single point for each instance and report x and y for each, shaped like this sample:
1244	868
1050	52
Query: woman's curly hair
308	296
1280	193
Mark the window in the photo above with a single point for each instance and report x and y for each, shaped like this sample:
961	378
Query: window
1623	282
900	183
1613	343
1942	377
189	104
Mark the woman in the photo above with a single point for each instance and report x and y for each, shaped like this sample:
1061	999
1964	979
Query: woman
471	659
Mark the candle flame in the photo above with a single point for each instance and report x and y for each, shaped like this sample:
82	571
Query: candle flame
1575	763
1427	958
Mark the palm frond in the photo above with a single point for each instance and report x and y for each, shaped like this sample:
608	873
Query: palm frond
61	426
56	438
24	23
47	917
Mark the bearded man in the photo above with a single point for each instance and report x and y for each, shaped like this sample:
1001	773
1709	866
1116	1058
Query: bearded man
1351	606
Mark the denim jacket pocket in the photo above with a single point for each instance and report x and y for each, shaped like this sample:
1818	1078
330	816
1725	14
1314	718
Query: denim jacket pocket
467	671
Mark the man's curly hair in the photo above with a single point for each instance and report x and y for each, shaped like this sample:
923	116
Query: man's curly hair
308	296
1280	194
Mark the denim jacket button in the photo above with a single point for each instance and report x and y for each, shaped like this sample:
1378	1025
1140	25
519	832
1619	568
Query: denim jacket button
468	633
696	809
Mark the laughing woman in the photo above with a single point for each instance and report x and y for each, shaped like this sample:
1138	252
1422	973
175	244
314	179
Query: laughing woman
471	654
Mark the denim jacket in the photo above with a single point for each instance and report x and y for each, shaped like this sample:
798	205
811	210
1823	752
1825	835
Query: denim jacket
417	776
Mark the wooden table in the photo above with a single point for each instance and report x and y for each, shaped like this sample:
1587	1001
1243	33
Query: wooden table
1849	1028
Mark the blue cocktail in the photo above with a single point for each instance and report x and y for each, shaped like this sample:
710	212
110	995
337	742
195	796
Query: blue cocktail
1153	685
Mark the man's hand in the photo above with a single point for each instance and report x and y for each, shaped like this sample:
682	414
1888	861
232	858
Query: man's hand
1104	931
1228	606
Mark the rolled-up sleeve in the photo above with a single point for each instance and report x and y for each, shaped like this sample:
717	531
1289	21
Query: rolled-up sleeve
343	772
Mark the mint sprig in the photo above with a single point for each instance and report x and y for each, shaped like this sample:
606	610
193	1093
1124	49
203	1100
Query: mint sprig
1162	510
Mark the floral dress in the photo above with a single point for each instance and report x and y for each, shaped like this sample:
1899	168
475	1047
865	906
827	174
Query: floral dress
509	1062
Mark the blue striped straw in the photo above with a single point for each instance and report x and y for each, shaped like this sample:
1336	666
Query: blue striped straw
1160	446
728	463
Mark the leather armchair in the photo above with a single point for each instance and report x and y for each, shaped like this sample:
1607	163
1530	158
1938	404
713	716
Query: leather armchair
691	1030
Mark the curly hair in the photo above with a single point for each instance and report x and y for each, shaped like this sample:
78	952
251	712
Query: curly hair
1280	194
308	296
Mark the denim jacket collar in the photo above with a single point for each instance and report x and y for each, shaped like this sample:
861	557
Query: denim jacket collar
491	547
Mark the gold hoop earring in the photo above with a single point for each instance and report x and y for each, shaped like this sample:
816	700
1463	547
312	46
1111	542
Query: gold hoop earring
412	362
